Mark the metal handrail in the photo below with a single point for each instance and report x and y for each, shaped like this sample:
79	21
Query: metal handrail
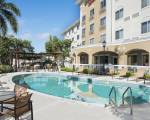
115	96
131	101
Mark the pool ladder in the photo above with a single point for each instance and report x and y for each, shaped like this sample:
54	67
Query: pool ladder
114	102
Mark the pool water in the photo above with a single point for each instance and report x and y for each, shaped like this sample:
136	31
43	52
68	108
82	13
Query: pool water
73	87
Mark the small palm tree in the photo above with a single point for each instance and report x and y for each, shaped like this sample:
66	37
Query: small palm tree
8	14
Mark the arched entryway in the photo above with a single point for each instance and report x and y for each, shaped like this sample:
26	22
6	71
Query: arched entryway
138	57
84	58
106	57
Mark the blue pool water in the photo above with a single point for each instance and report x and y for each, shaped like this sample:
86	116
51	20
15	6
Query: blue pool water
72	87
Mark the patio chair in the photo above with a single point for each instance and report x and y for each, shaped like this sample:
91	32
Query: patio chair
19	106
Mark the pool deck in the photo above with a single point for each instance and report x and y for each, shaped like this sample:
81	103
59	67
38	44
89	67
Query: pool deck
53	108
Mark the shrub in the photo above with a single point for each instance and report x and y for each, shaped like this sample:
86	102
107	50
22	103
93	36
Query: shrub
67	69
85	71
147	76
129	74
5	69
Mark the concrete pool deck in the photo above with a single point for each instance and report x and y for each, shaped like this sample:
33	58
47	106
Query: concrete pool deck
52	108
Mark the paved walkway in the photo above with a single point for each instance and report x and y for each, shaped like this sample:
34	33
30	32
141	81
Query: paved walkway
52	108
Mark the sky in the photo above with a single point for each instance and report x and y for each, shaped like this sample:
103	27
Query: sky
41	18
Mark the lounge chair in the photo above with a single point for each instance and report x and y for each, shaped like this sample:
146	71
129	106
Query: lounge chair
19	106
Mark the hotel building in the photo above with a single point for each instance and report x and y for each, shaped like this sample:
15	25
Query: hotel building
123	24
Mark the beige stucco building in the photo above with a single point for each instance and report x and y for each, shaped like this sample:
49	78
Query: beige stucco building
126	30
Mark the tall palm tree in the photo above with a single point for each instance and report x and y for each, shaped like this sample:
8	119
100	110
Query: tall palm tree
8	15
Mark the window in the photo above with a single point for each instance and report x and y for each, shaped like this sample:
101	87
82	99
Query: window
83	42
92	41
119	14
91	14
83	19
92	28
119	34
72	39
103	3
77	27
145	3
103	21
145	27
78	37
102	38
83	32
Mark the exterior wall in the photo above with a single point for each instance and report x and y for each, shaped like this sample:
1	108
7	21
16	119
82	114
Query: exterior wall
98	14
72	34
133	16
120	49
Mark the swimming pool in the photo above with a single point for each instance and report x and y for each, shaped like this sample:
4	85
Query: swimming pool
81	89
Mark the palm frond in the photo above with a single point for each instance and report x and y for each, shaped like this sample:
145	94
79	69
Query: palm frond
10	18
12	7
3	26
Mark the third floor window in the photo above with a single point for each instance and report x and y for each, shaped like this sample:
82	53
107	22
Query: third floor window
119	14
145	3
119	34
103	21
83	32
92	28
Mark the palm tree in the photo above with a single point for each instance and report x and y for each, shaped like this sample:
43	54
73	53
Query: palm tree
8	14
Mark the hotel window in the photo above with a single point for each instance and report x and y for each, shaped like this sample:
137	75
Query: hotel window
103	22
91	14
78	37
145	3
102	38
83	19
83	42
77	27
103	3
92	41
119	34
119	14
145	27
83	32
92	28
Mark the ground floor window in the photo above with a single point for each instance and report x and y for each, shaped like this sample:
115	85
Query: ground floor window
84	59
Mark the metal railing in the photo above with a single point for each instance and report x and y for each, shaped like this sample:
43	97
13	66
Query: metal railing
114	102
131	101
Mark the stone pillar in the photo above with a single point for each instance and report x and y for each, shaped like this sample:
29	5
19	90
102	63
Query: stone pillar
91	59
122	60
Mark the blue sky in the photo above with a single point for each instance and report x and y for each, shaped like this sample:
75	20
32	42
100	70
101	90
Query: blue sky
43	17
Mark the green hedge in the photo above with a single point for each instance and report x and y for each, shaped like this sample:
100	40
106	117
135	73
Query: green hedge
147	76
129	74
5	69
66	69
90	71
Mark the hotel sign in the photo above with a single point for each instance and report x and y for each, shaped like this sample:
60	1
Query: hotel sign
90	2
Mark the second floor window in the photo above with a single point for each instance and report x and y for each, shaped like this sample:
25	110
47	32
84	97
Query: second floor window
119	34
92	28
145	3
78	37
91	13
103	3
102	38
119	14
145	27
83	32
92	41
103	21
